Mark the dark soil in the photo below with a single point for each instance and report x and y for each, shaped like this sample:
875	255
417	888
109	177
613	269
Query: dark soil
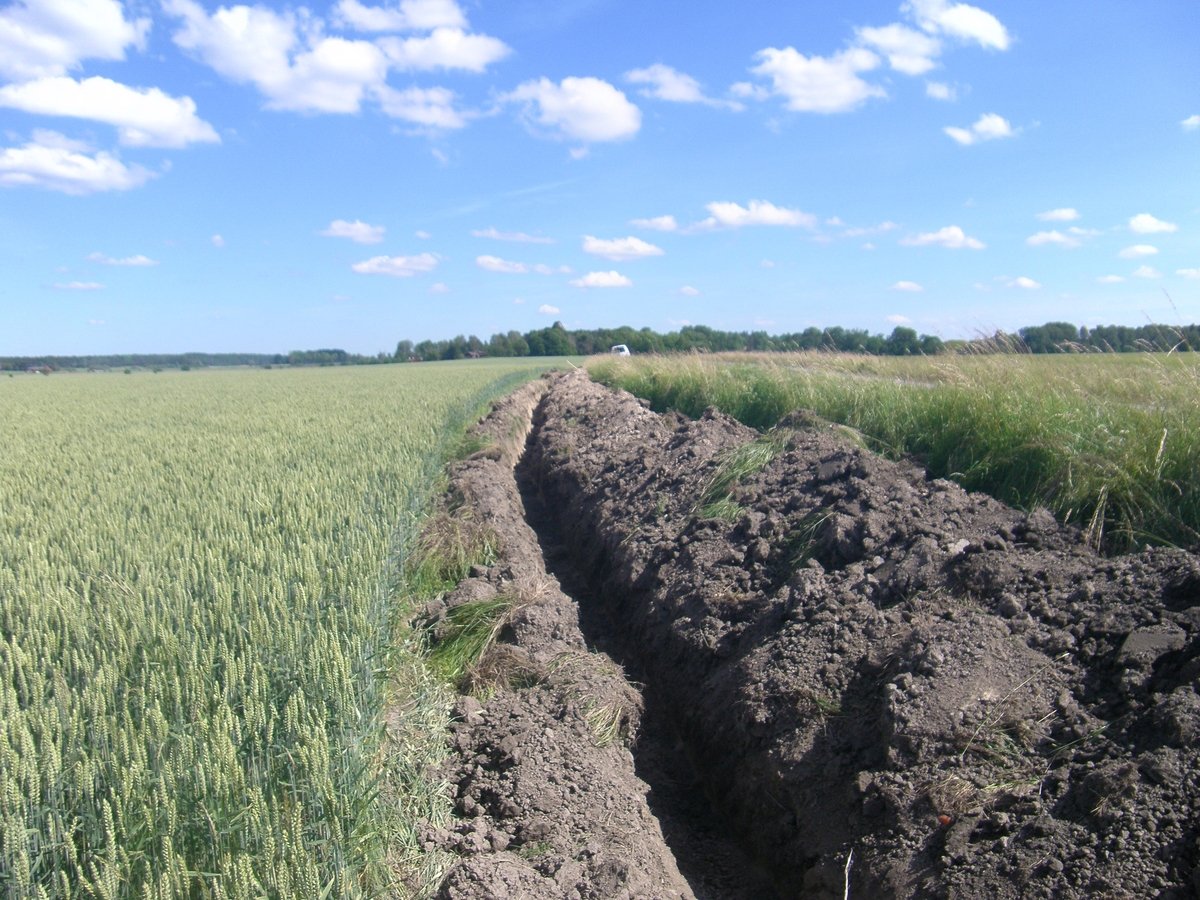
857	659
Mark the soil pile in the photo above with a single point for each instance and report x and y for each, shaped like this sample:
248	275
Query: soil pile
861	659
838	655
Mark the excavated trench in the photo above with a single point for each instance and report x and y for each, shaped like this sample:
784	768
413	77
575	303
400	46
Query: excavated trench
734	659
710	857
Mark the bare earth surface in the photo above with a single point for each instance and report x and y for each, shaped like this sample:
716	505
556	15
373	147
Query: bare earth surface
857	659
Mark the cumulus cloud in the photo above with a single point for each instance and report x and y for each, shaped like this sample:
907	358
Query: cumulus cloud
988	127
138	261
1137	251
412	15
438	288
907	50
910	286
881	228
503	266
47	38
79	286
545	309
819	84
1192	274
431	107
1146	272
602	280
144	117
397	266
658	223
217	241
940	91
725	214
578	109
1109	279
1024	283
959	20
952	237
1065	214
666	83
1055	238
1191	123
518	236
550	270
359	232
1144	223
445	48
620	249
688	291
55	163
899	320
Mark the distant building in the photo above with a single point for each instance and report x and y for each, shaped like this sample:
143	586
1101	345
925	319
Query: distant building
620	350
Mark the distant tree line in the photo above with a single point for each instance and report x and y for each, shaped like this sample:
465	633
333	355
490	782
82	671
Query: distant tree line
557	340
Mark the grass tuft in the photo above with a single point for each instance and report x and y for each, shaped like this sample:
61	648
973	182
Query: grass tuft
473	628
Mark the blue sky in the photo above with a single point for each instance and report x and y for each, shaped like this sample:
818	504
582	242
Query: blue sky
178	175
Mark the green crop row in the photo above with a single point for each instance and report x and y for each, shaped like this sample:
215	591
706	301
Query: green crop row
198	577
1110	442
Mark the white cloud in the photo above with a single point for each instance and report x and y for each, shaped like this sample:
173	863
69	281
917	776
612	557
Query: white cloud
959	20
445	48
431	107
688	291
868	246
1065	214
257	45
96	322
668	84
518	236
940	91
910	286
138	261
359	232
1191	123
340	298
46	38
725	214
550	270
52	162
1055	237
1084	232
1144	223
503	266
620	249
79	286
907	51
658	223
546	309
951	237
1146	272
817	83
1193	274
144	117
438	288
602	280
749	91
767	264
580	109
423	235
1109	279
217	241
397	266
413	15
899	320
881	228
988	127
1024	283
518	301
1137	251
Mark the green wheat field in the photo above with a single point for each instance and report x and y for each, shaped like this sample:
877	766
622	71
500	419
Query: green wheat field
198	582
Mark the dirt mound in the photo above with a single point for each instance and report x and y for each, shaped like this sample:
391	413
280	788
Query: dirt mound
855	658
548	801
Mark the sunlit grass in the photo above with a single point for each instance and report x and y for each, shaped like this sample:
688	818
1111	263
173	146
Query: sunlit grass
1110	442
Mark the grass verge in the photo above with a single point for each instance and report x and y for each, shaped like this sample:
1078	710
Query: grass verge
1109	442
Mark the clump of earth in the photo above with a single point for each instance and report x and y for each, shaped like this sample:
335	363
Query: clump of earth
822	674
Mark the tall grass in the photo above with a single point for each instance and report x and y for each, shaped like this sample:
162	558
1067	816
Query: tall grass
1110	442
197	575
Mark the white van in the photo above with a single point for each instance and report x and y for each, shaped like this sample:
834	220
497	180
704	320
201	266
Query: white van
620	350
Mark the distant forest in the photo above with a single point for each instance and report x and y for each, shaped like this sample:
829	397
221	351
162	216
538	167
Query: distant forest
556	340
